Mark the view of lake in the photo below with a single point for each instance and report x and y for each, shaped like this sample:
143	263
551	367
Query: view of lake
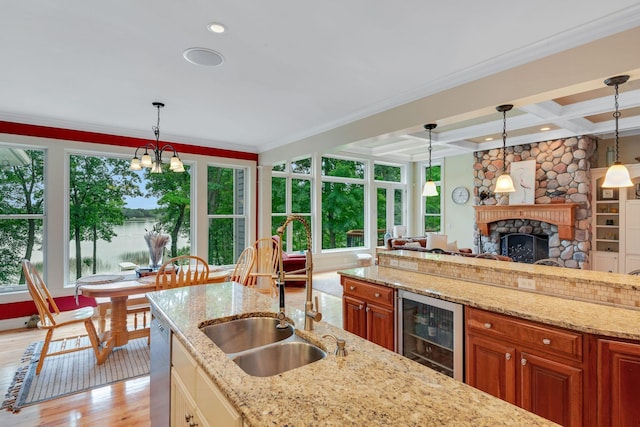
129	239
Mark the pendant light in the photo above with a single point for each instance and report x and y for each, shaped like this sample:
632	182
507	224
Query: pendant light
504	184
617	174
155	162
429	188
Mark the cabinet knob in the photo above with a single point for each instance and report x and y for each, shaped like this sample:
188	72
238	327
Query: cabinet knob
367	309
546	341
523	361
193	424
487	325
507	356
359	307
188	417
352	288
377	294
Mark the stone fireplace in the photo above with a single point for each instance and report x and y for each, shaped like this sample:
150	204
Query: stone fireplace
562	181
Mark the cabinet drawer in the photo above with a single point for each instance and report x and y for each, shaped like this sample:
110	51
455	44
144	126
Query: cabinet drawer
183	364
543	337
369	292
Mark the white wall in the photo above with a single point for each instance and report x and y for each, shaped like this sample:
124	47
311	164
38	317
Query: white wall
458	220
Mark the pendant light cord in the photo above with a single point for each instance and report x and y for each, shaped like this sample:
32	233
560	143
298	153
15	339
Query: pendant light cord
156	128
504	141
617	115
429	154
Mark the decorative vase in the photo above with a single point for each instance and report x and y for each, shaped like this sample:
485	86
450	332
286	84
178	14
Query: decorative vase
156	241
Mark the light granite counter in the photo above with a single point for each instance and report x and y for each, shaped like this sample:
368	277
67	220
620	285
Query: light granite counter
559	310
371	386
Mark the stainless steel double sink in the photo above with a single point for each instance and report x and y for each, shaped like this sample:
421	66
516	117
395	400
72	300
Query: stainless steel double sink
261	349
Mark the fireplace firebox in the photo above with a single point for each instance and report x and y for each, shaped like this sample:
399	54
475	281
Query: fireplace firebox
523	247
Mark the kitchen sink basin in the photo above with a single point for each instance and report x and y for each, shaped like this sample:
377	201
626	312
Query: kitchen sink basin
277	358
242	334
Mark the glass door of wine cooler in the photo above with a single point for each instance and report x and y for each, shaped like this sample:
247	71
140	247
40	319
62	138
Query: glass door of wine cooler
430	333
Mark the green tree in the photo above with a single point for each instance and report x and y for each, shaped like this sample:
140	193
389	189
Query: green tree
97	187
173	191
342	203
21	192
224	197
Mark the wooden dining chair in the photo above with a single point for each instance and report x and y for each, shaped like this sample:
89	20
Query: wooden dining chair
184	270
51	319
244	265
265	268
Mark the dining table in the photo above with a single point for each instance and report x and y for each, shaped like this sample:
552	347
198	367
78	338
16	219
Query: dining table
118	292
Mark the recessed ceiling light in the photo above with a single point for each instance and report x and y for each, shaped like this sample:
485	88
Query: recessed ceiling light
203	56
488	139
545	128
216	27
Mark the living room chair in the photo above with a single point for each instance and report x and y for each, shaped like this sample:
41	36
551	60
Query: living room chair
244	265
548	261
51	318
487	255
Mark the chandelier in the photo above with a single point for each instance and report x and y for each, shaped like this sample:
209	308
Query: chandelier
152	157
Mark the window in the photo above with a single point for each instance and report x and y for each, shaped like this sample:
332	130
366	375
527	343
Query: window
291	195
433	204
22	194
390	202
112	208
343	189
226	200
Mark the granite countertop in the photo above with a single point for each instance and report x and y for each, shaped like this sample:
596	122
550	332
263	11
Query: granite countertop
370	386
590	317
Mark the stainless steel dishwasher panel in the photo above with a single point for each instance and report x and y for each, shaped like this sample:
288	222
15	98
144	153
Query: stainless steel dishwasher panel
160	375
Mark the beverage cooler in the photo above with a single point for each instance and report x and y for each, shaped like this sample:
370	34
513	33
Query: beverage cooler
430	331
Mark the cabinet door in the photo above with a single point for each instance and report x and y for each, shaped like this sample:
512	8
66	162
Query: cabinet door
182	407
618	379
380	326
551	389
354	316
491	367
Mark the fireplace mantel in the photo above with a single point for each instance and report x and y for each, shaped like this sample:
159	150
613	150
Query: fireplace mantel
560	214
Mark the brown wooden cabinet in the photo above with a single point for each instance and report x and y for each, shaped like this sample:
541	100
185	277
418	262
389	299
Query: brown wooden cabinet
368	311
618	381
537	367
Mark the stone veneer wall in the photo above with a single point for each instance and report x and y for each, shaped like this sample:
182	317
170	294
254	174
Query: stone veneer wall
562	176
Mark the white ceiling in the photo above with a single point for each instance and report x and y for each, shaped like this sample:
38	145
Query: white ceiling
293	69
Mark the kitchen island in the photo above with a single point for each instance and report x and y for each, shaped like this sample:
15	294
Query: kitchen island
559	342
370	386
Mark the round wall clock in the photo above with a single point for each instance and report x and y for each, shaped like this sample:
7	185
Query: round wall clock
460	195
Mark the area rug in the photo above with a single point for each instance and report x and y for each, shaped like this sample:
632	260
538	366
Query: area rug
328	283
73	373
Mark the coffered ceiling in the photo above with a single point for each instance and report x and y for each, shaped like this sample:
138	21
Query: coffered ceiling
294	70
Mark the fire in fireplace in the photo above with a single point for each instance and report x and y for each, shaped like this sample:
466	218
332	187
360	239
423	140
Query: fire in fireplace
523	247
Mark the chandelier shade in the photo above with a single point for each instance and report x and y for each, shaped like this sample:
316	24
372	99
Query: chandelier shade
152	157
617	175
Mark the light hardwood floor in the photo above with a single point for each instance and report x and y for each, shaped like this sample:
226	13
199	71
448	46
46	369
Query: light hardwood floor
125	403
